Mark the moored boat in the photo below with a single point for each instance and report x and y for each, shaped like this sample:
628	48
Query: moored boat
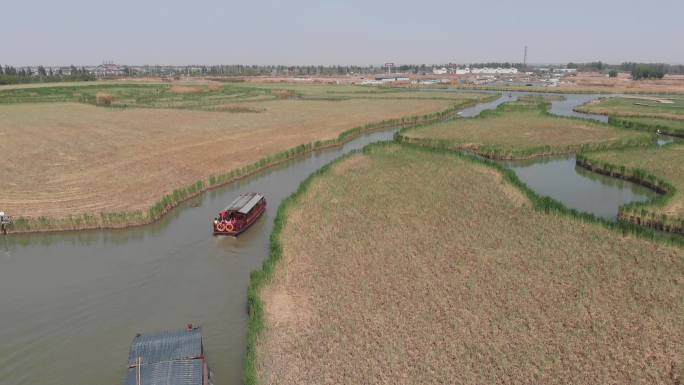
240	214
171	357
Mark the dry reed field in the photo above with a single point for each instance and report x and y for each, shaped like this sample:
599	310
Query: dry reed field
523	129
405	266
68	158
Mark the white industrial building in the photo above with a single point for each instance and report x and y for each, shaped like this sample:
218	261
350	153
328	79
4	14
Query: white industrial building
494	71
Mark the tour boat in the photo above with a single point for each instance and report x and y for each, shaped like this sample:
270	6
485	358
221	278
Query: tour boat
240	214
171	357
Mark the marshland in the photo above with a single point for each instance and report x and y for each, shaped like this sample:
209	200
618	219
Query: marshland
656	106
661	168
523	129
136	150
148	271
452	197
403	264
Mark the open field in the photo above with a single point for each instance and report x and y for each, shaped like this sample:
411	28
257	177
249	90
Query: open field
595	83
403	265
193	96
661	168
79	83
668	107
63	159
623	83
207	95
523	129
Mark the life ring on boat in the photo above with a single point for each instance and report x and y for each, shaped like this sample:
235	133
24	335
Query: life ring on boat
230	227
221	227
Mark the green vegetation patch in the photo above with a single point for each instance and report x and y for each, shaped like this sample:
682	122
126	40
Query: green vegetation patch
668	126
668	107
523	129
658	167
540	98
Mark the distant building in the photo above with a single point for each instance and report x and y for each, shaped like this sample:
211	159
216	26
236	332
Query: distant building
439	71
392	78
108	70
486	70
429	81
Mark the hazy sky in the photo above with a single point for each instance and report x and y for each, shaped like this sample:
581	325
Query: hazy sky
63	32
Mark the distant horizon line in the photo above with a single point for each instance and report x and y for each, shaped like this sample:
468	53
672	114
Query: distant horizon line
379	65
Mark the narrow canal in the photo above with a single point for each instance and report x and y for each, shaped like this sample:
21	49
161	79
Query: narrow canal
70	303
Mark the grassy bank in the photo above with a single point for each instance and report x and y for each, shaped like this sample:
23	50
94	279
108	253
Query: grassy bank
671	127
409	265
169	201
523	129
665	107
659	168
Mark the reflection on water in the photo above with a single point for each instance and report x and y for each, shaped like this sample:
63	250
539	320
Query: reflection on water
5	250
578	188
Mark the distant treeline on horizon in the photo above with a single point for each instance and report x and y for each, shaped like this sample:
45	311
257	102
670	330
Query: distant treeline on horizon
638	70
12	75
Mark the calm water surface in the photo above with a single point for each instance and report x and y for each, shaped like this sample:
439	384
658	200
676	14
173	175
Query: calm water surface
70	303
577	187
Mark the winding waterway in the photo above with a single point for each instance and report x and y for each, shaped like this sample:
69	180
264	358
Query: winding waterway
71	302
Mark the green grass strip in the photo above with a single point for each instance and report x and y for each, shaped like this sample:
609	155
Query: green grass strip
666	126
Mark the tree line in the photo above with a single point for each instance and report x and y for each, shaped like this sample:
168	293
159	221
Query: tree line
13	75
645	71
638	70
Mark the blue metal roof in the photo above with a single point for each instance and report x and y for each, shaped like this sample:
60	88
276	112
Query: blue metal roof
166	346
179	372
